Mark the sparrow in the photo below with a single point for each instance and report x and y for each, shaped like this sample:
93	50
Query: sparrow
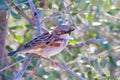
48	44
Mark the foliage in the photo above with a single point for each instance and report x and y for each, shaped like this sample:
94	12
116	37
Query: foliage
93	19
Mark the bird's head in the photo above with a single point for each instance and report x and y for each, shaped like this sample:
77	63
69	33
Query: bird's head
63	29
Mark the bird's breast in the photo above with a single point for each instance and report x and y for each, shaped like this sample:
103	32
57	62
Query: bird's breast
47	52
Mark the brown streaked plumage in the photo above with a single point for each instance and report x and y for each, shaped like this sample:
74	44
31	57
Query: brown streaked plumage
47	44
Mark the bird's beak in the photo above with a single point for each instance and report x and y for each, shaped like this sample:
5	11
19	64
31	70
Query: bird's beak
71	29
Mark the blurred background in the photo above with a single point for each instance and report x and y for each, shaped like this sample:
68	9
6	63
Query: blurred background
94	20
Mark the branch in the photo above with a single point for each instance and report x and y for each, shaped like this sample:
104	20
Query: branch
7	67
26	63
66	69
32	22
87	42
73	21
35	16
25	16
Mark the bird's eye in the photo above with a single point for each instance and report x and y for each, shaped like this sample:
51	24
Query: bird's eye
63	32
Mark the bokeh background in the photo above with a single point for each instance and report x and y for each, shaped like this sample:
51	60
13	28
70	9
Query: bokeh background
92	19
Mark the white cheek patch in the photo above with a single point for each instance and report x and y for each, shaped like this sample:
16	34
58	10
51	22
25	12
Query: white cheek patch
65	36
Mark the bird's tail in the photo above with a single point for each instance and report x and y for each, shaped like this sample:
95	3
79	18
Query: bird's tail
15	52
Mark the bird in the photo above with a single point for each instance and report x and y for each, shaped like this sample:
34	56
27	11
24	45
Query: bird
47	44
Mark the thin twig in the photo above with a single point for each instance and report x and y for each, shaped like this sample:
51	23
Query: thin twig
32	22
25	16
79	64
66	69
26	63
110	16
69	51
7	67
35	16
71	18
87	42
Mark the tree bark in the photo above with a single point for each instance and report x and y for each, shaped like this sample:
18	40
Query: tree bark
3	27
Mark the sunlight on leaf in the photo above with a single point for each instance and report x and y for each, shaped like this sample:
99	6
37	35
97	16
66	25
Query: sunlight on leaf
73	42
19	38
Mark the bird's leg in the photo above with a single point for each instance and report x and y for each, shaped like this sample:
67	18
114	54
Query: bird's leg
54	62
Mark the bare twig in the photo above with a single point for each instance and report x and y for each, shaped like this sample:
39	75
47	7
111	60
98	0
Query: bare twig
25	16
32	22
66	69
7	67
26	63
79	64
69	51
87	42
111	17
35	16
73	21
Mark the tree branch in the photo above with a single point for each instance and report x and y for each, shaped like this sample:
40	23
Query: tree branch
66	69
35	16
87	42
26	63
32	22
71	18
3	28
7	67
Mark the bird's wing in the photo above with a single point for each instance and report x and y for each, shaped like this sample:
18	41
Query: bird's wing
38	42
44	41
56	42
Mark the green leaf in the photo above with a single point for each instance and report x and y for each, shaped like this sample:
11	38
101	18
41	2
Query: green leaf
90	17
9	48
74	13
108	73
97	36
34	61
70	77
8	76
16	27
3	4
16	16
40	12
30	68
71	58
95	64
19	38
111	27
73	42
41	71
19	58
90	75
79	1
105	45
71	0
104	63
28	36
97	76
30	27
112	61
107	4
20	1
50	78
50	5
87	5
